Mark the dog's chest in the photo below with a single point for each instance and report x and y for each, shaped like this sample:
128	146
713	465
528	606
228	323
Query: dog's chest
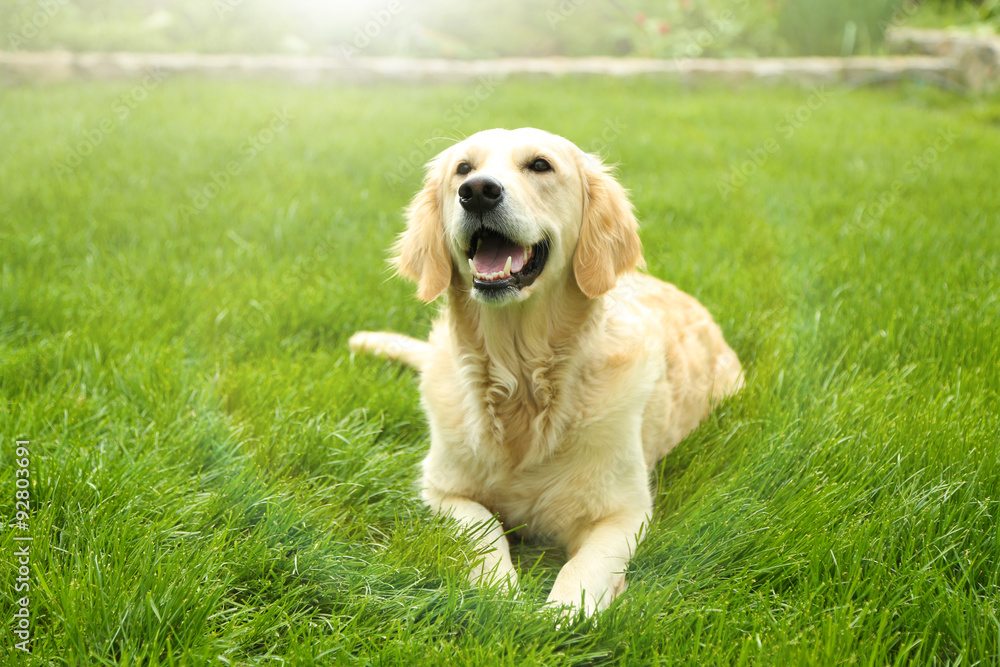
549	497
522	422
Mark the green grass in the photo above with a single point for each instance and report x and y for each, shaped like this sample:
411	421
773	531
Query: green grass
216	481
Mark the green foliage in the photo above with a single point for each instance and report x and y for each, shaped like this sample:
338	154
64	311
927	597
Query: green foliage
837	27
703	28
216	480
442	28
251	26
980	15
681	28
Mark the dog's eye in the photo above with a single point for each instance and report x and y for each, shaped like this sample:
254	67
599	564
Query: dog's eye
540	165
463	168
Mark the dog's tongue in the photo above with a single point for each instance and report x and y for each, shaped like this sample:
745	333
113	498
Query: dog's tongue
493	253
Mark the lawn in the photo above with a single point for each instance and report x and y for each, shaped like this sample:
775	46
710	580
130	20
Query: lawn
215	480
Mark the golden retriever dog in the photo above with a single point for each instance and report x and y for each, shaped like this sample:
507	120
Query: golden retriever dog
556	375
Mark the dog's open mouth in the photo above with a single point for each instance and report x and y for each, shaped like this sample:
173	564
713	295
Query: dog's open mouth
497	263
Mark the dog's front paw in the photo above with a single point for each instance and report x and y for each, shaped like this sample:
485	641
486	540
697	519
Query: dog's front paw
570	595
567	610
494	571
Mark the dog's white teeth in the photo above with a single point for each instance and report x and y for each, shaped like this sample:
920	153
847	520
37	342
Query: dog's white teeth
496	275
527	253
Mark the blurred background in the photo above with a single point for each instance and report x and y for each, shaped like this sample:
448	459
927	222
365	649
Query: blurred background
438	28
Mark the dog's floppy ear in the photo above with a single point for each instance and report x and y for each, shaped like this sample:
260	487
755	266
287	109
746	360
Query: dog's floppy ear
420	253
609	240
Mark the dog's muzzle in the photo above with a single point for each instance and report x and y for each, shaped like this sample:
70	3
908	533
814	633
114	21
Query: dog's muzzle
498	263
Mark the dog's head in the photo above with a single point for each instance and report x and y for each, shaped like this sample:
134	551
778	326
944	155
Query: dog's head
507	213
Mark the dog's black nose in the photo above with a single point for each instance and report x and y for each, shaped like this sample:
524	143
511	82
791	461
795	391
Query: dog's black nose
480	194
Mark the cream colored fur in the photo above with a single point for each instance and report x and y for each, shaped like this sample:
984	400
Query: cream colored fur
549	410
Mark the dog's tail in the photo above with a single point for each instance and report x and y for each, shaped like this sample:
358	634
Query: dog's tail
398	347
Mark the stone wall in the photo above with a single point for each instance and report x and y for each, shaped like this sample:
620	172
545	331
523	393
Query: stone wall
977	54
947	59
